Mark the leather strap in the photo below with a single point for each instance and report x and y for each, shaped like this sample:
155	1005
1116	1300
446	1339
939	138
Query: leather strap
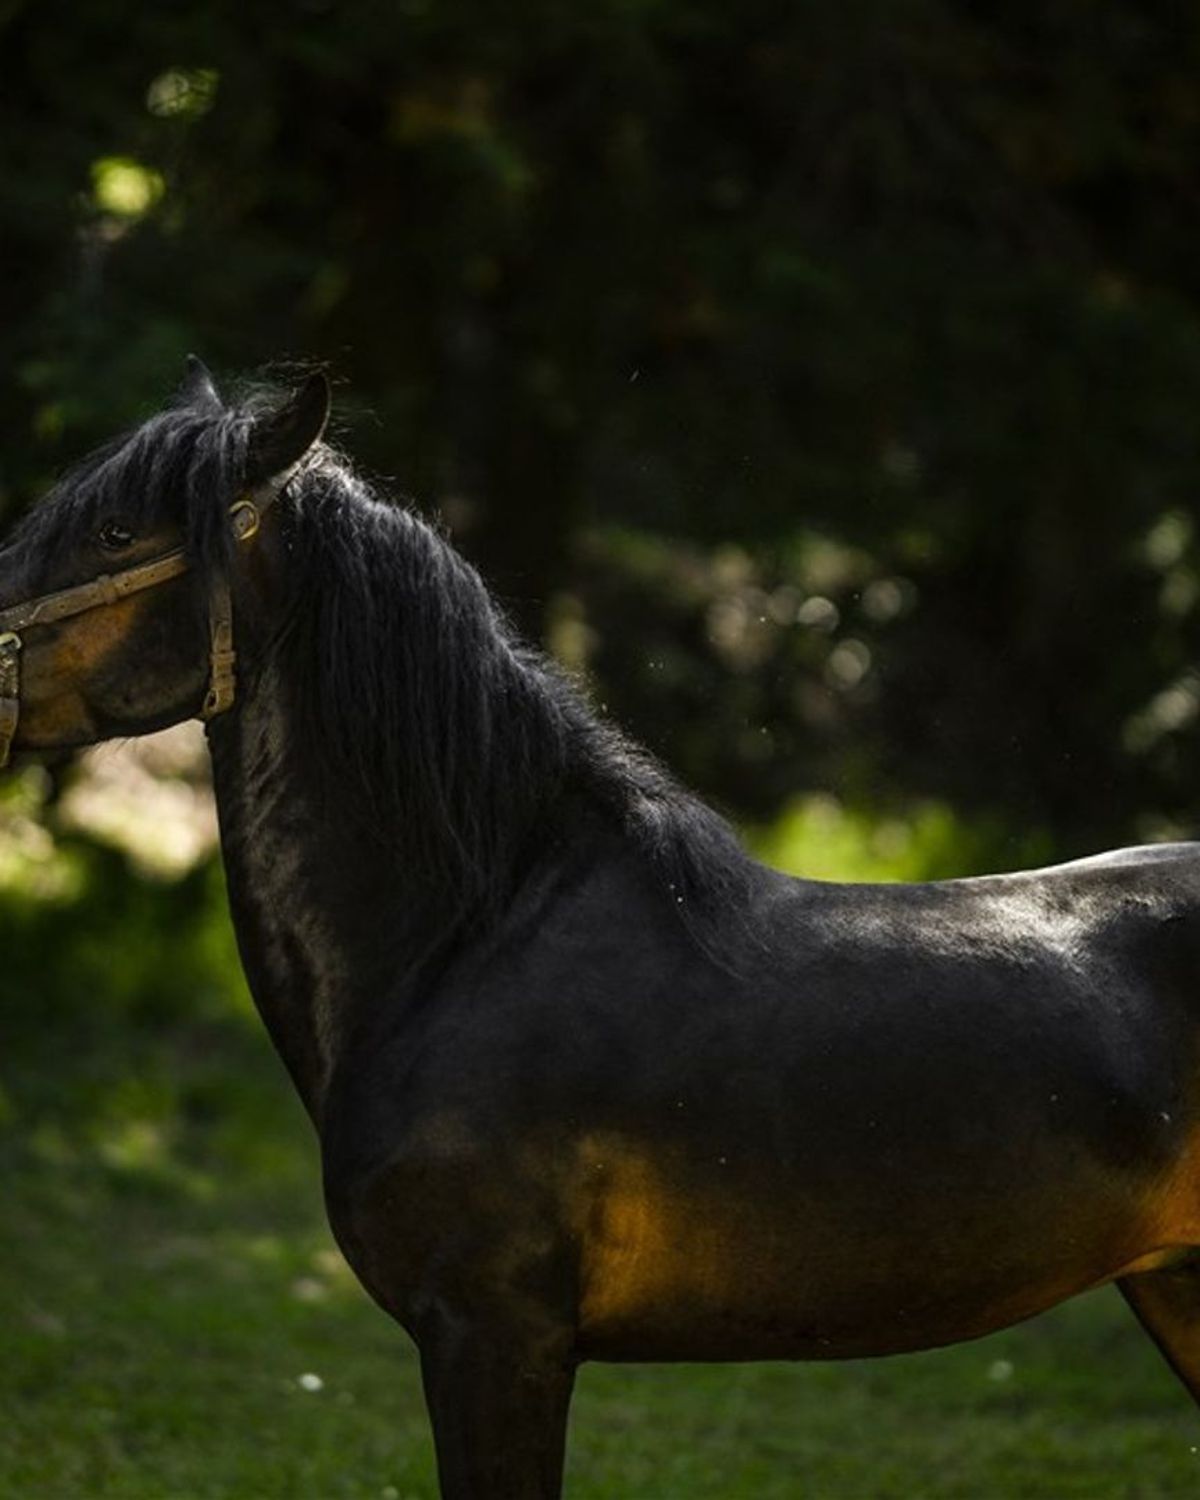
222	681
107	589
10	690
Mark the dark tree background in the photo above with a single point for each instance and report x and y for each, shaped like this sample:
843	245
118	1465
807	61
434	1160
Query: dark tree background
822	380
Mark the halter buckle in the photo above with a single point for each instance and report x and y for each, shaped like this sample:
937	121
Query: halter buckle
244	518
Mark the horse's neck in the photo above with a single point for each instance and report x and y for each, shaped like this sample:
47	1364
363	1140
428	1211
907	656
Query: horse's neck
306	893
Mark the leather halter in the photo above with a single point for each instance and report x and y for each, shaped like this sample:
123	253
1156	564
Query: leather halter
245	517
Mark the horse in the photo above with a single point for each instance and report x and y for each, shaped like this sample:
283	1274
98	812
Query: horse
589	1082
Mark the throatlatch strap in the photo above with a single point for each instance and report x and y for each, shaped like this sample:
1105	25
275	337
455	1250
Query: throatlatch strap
222	682
244	517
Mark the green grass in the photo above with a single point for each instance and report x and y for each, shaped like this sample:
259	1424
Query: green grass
166	1278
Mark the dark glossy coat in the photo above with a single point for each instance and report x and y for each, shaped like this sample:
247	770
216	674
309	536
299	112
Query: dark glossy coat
589	1083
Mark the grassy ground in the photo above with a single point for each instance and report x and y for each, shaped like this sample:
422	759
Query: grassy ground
178	1326
168	1289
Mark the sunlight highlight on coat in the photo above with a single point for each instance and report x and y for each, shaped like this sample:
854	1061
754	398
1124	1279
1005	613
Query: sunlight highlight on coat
1173	1203
645	1243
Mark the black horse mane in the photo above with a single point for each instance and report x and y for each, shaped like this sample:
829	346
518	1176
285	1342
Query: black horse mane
476	738
417	701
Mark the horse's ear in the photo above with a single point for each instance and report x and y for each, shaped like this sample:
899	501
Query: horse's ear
197	388
279	440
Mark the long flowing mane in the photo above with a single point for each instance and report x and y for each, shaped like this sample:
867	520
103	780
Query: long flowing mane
475	738
435	727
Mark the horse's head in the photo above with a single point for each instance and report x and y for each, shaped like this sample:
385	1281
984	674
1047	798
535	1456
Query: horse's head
117	591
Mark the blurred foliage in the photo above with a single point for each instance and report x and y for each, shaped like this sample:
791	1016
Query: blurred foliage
82	924
820	382
900	301
819	837
125	1015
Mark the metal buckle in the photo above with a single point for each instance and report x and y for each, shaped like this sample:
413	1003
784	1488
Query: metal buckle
244	518
10	641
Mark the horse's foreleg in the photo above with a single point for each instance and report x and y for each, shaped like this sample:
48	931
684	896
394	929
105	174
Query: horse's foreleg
1167	1304
499	1412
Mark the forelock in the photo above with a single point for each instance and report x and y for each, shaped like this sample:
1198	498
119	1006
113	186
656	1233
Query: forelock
179	469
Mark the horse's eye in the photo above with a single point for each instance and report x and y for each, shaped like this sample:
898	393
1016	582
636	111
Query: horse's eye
114	537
